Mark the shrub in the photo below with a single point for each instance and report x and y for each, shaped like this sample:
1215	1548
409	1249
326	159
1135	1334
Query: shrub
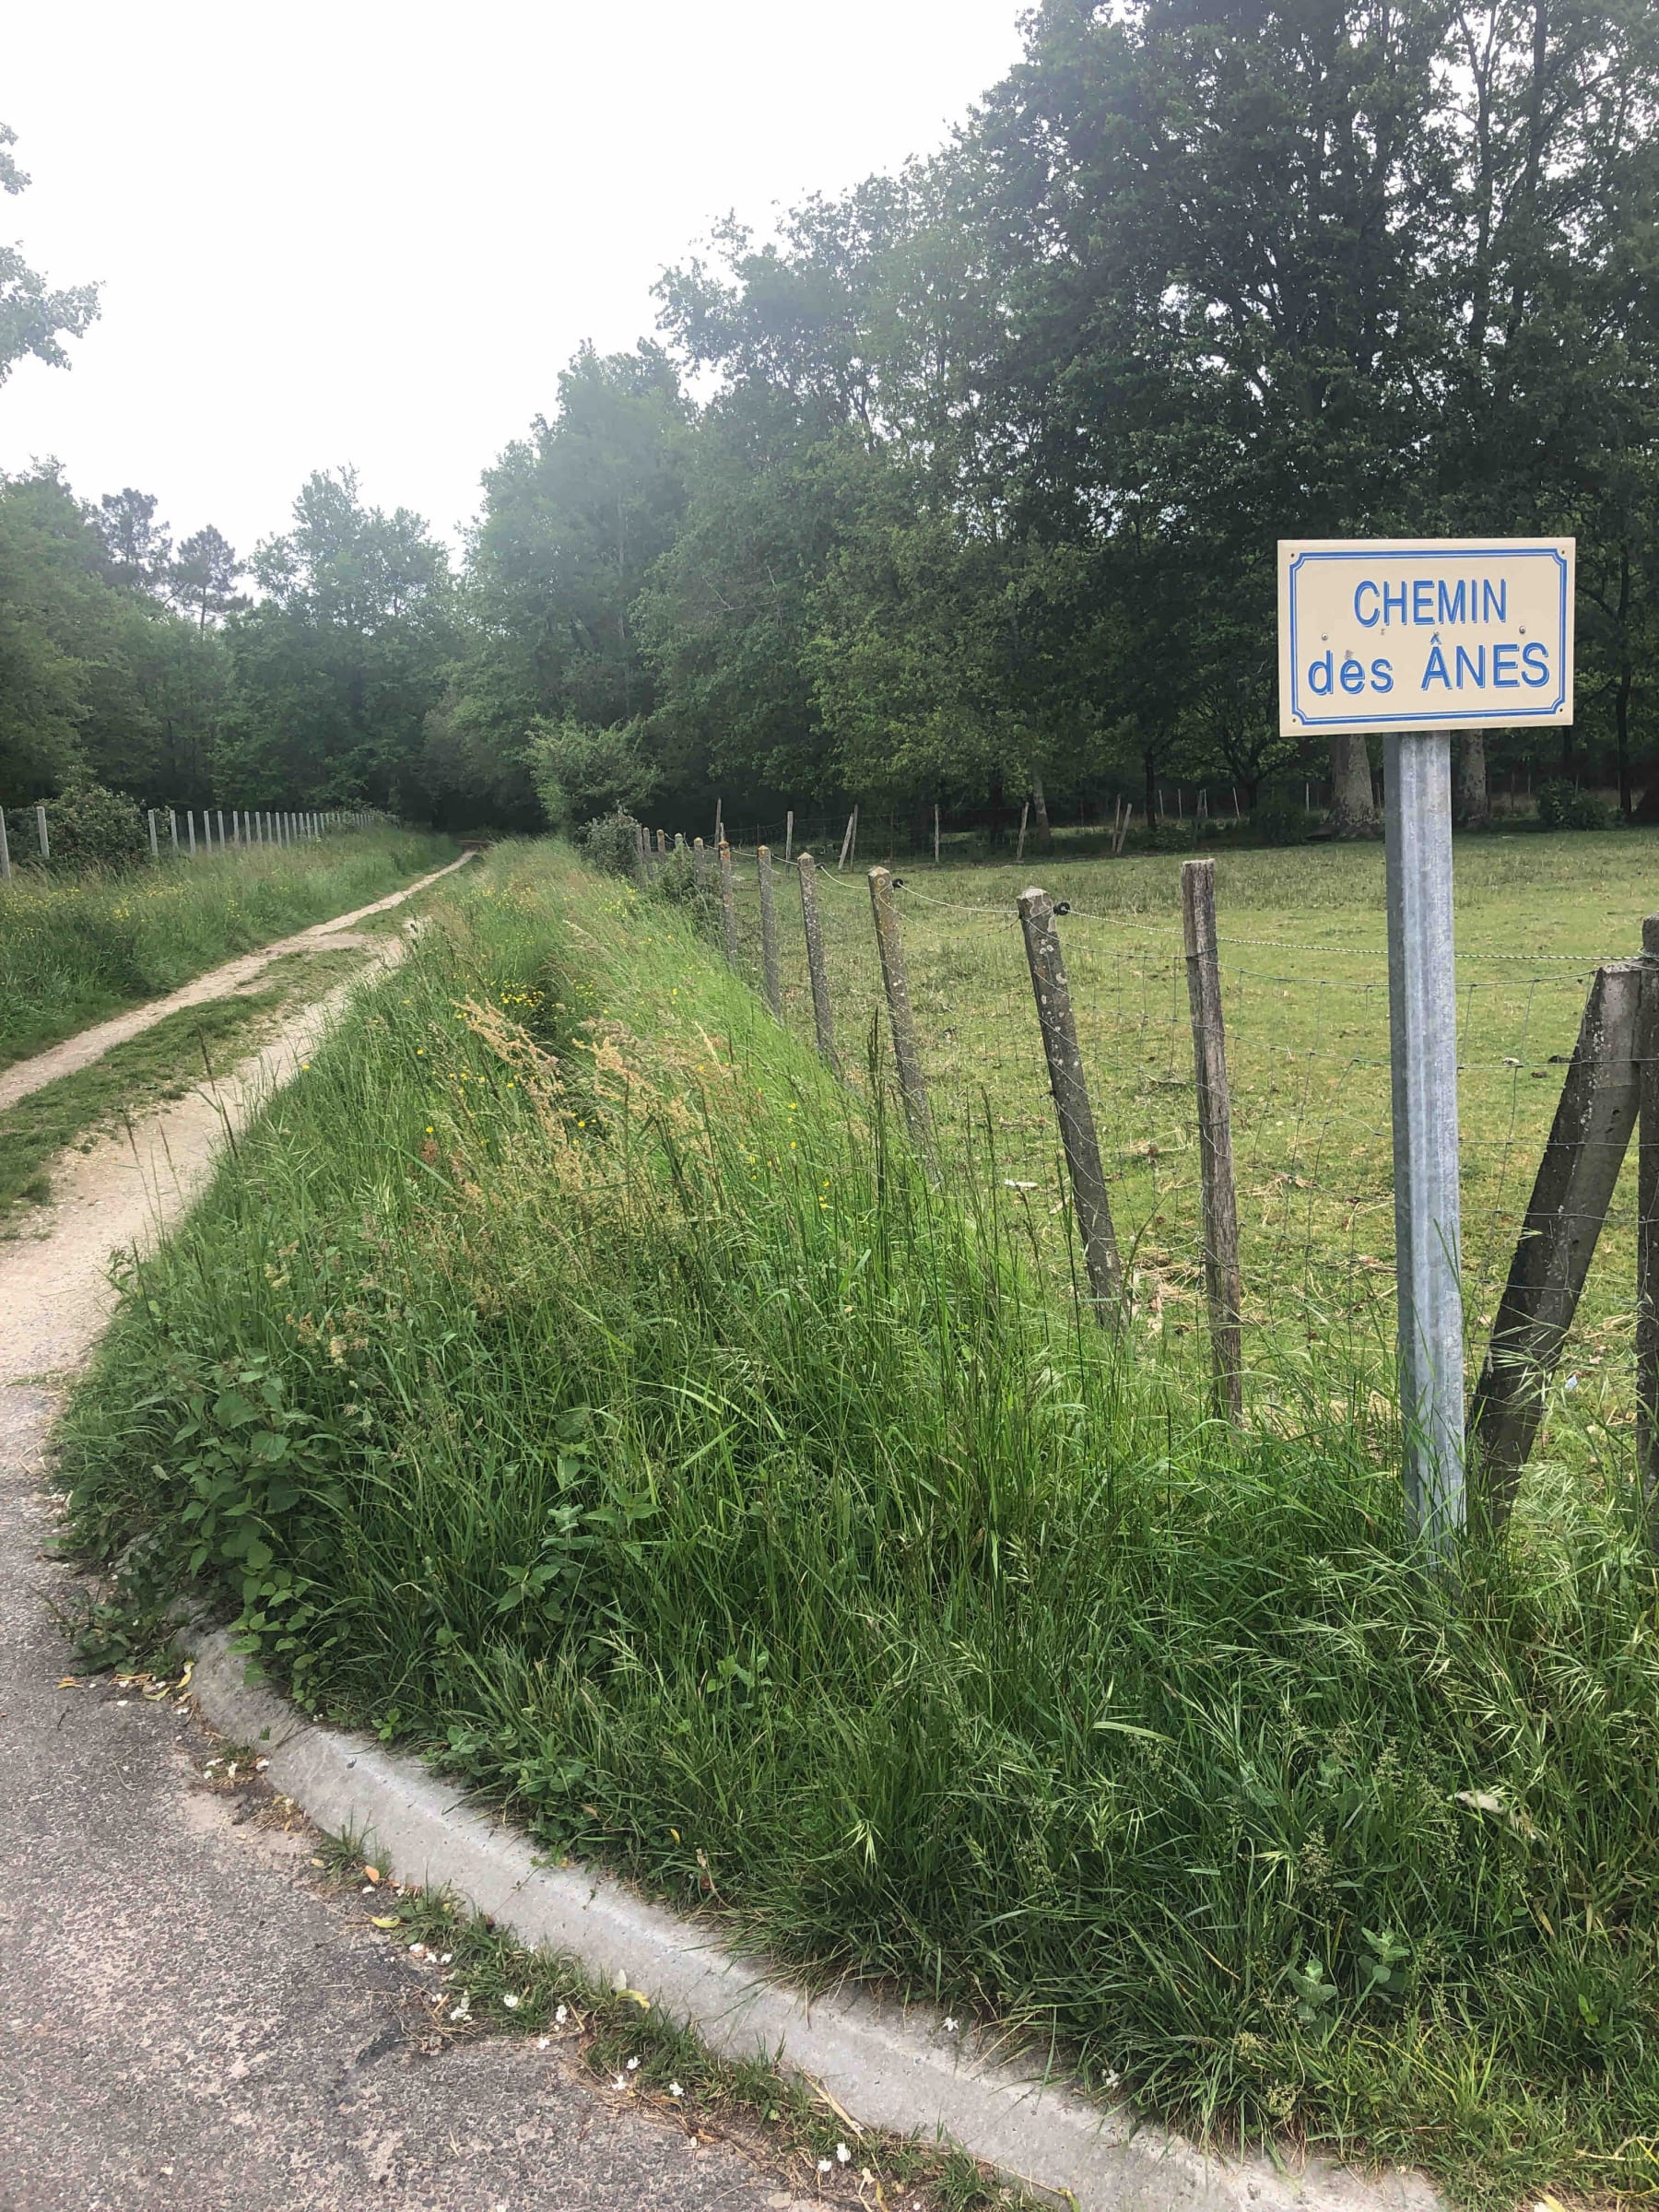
1279	818
611	841
89	826
1561	805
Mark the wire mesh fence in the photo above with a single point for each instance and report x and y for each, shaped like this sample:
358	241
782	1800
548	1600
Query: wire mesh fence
1309	1054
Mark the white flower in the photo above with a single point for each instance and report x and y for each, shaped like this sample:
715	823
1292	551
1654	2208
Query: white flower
633	2065
675	2090
512	2002
447	1959
621	2081
950	2025
560	2016
843	2156
1112	2077
541	2041
826	2165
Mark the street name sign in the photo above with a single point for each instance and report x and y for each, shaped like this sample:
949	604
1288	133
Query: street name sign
1401	633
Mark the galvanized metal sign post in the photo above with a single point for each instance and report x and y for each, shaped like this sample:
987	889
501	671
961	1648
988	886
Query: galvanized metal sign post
1412	639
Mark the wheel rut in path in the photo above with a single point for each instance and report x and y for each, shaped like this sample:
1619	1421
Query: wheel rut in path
80	1051
189	2025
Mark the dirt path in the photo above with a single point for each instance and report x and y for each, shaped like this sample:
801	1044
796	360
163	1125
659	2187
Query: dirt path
24	1075
189	2024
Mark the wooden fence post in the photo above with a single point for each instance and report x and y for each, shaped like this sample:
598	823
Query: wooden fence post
700	863
1025	816
907	1059
1569	1200
190	826
823	1011
642	873
1647	1233
936	834
1069	1090
1221	1284
789	837
772	987
846	841
42	833
6	846
852	850
728	907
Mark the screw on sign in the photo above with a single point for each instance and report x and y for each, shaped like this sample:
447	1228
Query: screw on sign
1411	637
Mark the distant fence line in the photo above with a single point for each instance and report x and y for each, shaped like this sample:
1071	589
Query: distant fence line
234	828
1262	1143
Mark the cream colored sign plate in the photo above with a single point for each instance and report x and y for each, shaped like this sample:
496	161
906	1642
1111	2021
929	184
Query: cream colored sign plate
1405	634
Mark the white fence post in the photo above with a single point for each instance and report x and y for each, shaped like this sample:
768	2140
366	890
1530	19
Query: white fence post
43	834
4	850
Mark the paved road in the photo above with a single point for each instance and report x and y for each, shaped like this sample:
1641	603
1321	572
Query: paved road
186	2021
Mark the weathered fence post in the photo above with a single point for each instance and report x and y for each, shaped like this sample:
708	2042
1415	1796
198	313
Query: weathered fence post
1025	816
728	905
173	830
907	1059
936	834
772	987
1222	1288
789	837
662	849
5	847
642	873
190	826
823	1010
846	841
42	833
700	863
1069	1090
1647	1233
1569	1201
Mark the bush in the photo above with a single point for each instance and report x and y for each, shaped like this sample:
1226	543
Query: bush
87	827
611	841
1279	818
1561	805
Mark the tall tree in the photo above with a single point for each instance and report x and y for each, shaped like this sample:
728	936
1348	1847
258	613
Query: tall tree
202	578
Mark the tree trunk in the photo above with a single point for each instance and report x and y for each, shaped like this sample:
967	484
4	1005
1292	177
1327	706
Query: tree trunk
1474	808
1040	807
1353	812
1150	789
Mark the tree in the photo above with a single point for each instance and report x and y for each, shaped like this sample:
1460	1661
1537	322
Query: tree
202	578
34	319
139	547
344	655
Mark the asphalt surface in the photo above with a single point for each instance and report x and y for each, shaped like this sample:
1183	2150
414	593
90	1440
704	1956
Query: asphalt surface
189	2018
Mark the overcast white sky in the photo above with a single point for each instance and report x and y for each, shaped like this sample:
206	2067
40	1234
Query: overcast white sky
367	233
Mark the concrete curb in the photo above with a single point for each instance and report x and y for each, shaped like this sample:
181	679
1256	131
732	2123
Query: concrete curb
888	2067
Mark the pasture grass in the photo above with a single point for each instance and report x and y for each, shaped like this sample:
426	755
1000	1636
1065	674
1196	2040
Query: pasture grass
1305	993
75	949
564	1379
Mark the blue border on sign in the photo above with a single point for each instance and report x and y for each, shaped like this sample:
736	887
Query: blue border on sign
1484	715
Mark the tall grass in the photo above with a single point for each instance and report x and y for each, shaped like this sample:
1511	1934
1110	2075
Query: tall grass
73	949
564	1379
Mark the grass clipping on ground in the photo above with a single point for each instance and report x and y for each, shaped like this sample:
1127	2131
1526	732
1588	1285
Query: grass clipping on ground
564	1379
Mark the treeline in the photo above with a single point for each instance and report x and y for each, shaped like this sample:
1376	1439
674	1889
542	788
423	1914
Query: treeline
969	484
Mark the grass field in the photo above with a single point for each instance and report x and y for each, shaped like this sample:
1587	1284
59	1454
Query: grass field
1305	986
564	1379
74	949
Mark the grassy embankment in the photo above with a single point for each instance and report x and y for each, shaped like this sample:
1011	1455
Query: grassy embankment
561	1379
75	949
